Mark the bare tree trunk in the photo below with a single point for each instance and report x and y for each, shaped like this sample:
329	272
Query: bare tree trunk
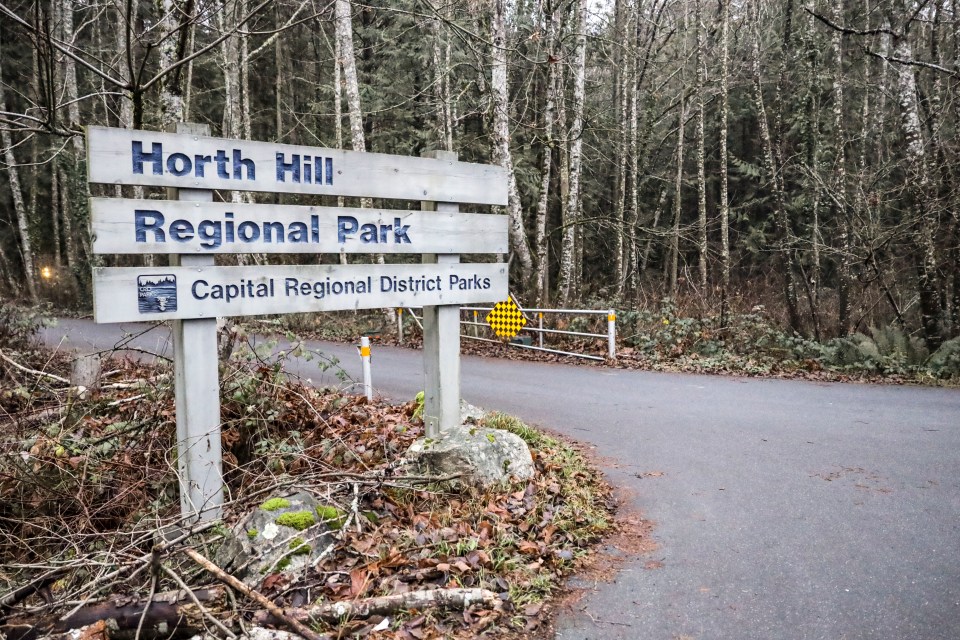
775	180
441	85
543	266
19	207
955	196
673	265
701	145
840	172
661	202
173	20
344	28
56	200
70	203
230	52
502	156
70	93
674	260
124	32
724	168
626	149
338	113
188	82
572	218
344	31
918	191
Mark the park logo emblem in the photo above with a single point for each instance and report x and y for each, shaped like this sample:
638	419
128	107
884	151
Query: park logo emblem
157	293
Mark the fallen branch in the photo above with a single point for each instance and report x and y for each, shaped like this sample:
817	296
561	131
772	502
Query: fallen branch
256	596
41	374
388	605
156	617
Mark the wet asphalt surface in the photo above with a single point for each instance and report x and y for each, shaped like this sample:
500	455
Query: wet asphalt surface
783	509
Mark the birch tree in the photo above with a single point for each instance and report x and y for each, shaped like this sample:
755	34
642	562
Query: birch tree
571	212
699	29
724	206
19	207
549	10
774	180
500	102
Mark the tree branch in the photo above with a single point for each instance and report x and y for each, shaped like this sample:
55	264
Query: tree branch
912	63
256	596
388	605
848	30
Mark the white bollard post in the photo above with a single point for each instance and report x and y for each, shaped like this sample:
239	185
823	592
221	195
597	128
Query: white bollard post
365	358
400	325
540	318
611	334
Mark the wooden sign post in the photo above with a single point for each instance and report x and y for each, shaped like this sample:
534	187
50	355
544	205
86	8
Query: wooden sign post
441	341
197	386
192	229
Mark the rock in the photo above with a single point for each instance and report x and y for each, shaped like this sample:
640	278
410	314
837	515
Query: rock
470	413
485	456
282	535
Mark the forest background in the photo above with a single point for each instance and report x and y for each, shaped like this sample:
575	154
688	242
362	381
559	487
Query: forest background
725	155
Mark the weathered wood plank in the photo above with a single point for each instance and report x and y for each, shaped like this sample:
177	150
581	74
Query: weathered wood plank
127	294
150	158
120	225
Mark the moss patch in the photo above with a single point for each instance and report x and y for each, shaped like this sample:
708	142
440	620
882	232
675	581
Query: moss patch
252	533
299	547
298	520
331	516
275	503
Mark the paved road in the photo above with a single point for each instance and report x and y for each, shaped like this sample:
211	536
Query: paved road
785	510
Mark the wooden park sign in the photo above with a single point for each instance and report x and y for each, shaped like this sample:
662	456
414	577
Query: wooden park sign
192	229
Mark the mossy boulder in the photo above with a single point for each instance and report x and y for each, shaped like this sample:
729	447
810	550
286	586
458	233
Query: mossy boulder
283	534
486	457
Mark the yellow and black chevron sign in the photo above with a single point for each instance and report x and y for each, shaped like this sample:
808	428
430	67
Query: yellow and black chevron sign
506	319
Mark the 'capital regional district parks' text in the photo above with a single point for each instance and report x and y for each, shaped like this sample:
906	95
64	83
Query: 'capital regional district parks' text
319	289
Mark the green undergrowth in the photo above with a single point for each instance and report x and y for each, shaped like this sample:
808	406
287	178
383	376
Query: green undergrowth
752	344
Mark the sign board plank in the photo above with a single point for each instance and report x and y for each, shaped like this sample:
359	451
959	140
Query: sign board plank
150	226
126	294
150	158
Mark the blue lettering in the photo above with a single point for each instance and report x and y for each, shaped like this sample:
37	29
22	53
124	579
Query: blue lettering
210	234
222	164
193	290
283	167
248	231
268	230
181	230
146	220
297	232
346	225
229	217
155	156
329	170
368	234
240	163
198	162
400	232
179	159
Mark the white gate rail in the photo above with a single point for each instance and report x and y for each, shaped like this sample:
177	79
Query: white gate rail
610	336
